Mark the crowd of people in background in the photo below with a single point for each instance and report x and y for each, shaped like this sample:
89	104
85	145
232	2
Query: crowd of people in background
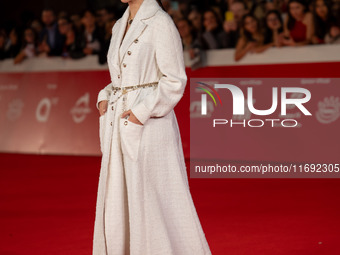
248	26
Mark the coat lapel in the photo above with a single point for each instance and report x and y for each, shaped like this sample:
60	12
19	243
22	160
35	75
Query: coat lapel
116	40
147	9
137	27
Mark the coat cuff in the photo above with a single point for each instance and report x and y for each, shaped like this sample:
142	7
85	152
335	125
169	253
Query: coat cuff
102	95
141	112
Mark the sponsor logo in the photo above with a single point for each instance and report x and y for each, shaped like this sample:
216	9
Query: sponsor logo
328	110
43	110
15	109
81	108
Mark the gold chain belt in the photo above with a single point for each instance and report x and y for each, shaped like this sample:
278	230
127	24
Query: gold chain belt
125	89
131	88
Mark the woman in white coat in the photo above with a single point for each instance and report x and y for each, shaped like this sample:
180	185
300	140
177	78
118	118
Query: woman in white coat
144	206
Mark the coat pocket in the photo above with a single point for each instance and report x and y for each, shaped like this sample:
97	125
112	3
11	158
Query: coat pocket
102	131
131	134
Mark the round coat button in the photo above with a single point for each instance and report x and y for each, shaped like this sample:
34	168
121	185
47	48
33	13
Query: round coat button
129	52
118	76
112	108
124	65
111	123
125	122
136	41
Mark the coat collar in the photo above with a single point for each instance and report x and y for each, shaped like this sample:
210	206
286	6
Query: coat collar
147	9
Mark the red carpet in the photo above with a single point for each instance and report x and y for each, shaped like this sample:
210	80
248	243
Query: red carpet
48	205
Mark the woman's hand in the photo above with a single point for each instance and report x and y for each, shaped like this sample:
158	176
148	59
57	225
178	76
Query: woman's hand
288	41
103	107
279	38
334	31
192	53
132	117
229	25
251	46
87	51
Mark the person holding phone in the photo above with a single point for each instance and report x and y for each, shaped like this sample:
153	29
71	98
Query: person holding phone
232	22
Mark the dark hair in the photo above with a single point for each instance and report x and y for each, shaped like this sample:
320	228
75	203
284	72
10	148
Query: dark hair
35	35
243	3
322	27
49	9
186	20
192	29
217	17
276	12
90	10
291	20
65	17
268	32
3	33
246	34
160	4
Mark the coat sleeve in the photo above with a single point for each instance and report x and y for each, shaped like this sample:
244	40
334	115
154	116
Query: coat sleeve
170	89
104	94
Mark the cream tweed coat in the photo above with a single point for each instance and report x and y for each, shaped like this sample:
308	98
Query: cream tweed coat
144	206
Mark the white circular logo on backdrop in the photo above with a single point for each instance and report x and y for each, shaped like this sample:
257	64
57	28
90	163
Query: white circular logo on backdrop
328	110
81	108
15	109
43	110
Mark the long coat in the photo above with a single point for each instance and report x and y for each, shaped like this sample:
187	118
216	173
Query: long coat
144	206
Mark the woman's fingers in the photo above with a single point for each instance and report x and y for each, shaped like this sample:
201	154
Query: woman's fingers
132	117
103	107
124	114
